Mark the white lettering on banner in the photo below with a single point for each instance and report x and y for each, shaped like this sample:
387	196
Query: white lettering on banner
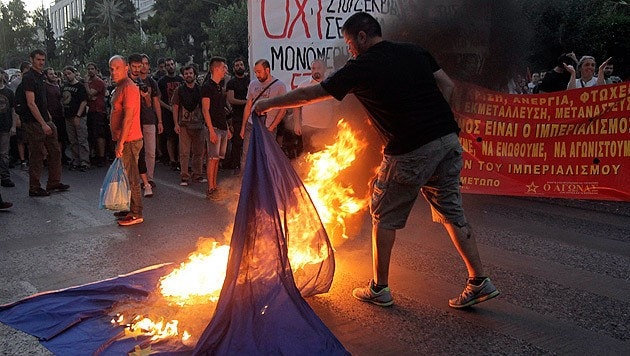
299	58
290	34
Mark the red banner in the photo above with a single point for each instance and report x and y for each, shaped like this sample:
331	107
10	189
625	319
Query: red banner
571	144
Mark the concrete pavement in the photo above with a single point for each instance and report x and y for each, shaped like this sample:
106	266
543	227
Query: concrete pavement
563	268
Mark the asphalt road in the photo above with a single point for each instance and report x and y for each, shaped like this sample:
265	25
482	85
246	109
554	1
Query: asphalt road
563	267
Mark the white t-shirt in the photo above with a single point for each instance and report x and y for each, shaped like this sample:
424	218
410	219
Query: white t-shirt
255	87
579	83
317	115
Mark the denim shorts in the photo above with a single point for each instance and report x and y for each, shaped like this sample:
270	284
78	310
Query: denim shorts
217	150
433	169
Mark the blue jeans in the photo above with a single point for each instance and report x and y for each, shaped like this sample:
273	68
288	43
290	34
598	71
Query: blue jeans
131	152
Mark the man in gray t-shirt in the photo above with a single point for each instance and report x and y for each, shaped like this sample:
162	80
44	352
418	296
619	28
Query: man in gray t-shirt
265	87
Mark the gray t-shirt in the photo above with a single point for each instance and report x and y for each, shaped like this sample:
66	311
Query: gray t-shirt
255	87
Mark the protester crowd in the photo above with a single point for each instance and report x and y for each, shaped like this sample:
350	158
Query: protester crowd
569	72
193	123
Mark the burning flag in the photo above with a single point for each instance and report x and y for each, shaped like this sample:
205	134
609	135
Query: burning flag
260	309
279	252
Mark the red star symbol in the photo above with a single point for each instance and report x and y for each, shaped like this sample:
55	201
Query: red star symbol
531	188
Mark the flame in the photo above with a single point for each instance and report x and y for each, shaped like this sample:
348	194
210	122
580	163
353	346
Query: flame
140	325
334	201
199	280
160	329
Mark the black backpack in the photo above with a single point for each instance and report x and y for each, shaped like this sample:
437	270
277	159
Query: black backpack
21	108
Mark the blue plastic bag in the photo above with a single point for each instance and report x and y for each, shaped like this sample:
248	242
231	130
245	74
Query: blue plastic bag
115	193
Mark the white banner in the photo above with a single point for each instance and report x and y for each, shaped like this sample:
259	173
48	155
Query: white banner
290	34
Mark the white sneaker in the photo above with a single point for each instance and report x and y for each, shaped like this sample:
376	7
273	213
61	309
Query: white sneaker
148	192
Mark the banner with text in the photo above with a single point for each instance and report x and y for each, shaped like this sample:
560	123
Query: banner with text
290	34
569	144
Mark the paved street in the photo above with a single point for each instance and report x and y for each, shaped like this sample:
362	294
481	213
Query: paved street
563	267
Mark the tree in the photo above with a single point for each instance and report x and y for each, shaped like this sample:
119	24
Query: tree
111	19
72	45
132	43
600	28
179	23
227	33
42	23
17	33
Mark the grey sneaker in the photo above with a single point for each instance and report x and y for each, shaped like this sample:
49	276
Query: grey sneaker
474	294
367	294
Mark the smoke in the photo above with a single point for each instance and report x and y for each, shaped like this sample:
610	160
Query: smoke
481	42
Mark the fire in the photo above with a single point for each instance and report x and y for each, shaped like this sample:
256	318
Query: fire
195	286
334	201
201	277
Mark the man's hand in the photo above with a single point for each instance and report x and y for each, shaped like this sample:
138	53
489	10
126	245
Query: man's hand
160	127
119	149
603	66
261	106
569	68
47	130
213	137
243	133
177	128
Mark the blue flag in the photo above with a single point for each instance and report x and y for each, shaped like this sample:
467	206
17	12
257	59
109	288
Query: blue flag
260	310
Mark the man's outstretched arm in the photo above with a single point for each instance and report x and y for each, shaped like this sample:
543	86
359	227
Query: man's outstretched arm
292	99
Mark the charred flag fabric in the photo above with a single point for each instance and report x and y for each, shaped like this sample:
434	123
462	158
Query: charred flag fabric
279	252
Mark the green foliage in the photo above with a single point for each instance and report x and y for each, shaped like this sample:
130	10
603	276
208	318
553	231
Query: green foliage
109	19
227	33
600	28
132	43
42	23
181	22
17	34
72	45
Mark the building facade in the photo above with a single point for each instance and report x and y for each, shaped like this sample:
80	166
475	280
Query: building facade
64	11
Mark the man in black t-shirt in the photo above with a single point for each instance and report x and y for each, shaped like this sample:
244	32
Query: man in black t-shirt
422	152
237	97
74	100
558	78
41	132
214	115
168	139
